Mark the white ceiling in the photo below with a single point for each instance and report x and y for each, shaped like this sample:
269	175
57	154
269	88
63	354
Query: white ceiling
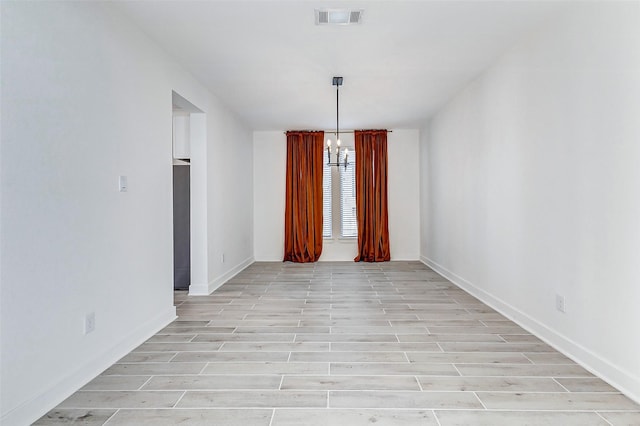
273	66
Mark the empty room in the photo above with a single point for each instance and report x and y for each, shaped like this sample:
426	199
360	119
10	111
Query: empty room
320	212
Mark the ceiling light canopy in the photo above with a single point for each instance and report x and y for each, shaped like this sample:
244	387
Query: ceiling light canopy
338	16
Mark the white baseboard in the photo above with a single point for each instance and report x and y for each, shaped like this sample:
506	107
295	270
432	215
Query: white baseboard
31	410
625	381
404	257
199	290
205	290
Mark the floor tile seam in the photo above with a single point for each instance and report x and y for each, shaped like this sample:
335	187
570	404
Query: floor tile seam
132	391
273	414
183	409
397	374
418	377
179	399
412	391
520	376
534	410
460	376
521	364
111	417
603	418
152	375
435	416
457	370
531	410
206	389
525	392
479	400
287	342
206	364
161	362
435	410
475	409
141	387
555	379
568	393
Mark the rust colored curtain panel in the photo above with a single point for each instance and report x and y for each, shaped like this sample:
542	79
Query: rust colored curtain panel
303	208
371	196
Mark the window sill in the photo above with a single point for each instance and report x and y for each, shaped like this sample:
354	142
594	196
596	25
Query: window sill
341	240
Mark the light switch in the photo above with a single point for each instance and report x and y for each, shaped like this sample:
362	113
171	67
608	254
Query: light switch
123	184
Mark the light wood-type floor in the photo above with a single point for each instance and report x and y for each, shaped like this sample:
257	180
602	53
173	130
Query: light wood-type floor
343	344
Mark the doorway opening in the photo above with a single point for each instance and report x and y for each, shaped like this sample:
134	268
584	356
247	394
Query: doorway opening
185	134
181	227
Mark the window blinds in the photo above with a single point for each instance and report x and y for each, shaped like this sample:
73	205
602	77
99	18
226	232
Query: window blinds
347	179
348	198
326	202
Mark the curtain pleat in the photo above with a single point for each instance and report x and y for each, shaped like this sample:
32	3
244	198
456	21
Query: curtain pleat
371	196
303	208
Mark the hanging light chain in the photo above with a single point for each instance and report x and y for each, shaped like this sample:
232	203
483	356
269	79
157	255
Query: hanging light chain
337	81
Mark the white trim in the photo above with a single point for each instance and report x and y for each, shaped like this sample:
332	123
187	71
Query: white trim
205	290
403	257
31	410
618	377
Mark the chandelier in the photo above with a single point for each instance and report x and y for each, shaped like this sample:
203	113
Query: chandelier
337	81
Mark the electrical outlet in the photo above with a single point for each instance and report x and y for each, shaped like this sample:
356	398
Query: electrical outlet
560	304
89	322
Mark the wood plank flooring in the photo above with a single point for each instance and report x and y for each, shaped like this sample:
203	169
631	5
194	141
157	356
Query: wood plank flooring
343	344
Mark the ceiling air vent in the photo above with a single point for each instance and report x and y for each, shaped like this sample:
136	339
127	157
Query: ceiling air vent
338	16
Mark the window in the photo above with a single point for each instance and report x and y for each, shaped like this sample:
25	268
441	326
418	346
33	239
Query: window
339	199
326	202
348	200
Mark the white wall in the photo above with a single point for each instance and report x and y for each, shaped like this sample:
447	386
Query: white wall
221	198
230	197
404	194
269	150
269	180
86	97
530	187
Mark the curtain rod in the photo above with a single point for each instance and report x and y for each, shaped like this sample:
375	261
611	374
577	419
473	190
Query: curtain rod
332	132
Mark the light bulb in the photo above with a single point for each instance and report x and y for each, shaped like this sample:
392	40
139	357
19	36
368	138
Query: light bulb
338	142
329	142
